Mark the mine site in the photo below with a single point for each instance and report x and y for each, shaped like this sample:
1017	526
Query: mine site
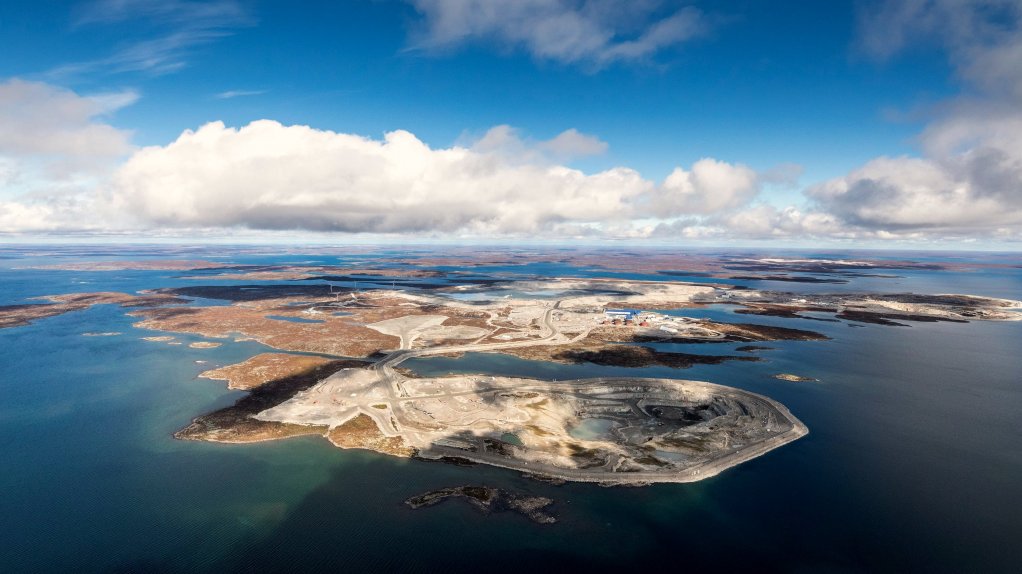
609	430
338	352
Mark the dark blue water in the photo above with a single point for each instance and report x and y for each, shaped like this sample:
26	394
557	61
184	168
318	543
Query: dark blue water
913	462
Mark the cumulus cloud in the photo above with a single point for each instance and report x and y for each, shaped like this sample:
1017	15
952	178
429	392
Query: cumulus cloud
770	222
508	143
270	176
593	32
710	186
55	148
266	176
969	179
784	175
64	168
972	191
573	143
38	119
59	213
756	222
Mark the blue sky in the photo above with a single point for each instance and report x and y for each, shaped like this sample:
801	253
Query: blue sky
764	86
754	83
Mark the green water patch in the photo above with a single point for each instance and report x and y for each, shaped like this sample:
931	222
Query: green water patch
592	429
511	438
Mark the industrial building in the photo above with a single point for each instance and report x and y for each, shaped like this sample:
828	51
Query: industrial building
622	314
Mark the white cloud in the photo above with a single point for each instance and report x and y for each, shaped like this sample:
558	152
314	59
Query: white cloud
573	143
981	37
709	187
269	176
230	94
767	221
55	213
164	11
110	102
506	142
38	119
593	32
55	148
180	26
977	190
784	175
969	180
758	222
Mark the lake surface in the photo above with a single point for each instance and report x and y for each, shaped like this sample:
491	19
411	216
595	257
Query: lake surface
913	462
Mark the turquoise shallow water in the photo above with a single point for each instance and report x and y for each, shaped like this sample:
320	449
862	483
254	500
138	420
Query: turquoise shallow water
913	462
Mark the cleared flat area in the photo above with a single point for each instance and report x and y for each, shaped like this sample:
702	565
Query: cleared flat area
615	430
407	327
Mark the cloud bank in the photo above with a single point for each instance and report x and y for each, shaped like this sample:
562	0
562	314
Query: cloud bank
969	179
63	169
55	149
40	120
269	176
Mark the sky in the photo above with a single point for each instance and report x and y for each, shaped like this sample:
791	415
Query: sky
865	123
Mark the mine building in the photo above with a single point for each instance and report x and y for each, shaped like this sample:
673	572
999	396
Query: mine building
622	314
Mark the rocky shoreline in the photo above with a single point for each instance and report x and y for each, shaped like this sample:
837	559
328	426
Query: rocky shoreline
235	424
489	500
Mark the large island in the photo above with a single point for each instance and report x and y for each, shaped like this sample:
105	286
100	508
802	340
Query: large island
607	430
